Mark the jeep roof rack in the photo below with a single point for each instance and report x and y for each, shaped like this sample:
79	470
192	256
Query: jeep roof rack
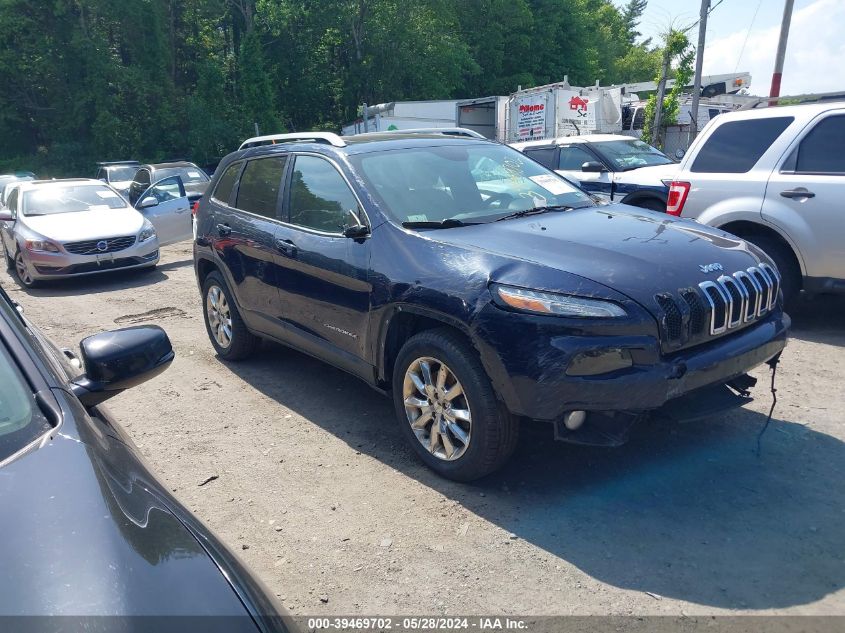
446	131
327	138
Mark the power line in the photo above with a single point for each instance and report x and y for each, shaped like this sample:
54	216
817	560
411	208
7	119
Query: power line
747	33
694	24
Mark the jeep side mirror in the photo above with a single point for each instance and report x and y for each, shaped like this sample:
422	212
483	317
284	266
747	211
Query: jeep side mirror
593	166
356	231
6	215
118	360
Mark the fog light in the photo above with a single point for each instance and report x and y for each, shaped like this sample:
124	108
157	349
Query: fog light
574	419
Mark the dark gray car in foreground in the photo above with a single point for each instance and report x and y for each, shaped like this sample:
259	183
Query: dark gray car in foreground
85	528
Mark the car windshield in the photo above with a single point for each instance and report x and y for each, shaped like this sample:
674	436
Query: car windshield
52	199
21	421
188	175
626	155
123	173
469	183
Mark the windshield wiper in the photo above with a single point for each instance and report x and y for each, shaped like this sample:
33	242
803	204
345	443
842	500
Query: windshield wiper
448	223
534	211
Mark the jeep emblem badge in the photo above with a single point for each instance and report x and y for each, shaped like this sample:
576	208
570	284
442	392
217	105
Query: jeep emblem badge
102	246
710	268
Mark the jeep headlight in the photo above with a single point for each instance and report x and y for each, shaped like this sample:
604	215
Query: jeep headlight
551	303
148	232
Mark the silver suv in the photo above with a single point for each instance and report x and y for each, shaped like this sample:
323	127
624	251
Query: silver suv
775	177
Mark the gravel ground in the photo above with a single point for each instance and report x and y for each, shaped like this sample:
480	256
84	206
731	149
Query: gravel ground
319	494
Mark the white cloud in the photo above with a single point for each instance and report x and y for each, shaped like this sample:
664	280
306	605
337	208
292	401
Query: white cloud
815	52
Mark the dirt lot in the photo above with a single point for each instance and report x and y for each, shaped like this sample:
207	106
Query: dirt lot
338	517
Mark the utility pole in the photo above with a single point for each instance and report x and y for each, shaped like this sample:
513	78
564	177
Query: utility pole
661	92
784	34
699	62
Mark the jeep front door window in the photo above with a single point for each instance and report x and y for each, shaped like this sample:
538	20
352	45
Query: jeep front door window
323	276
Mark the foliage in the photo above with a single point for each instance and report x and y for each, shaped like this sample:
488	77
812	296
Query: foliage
679	51
87	80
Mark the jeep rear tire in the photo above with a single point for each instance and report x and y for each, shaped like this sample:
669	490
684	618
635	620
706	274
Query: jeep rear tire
447	408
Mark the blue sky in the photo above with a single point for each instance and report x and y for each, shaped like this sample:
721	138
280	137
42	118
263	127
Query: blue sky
739	40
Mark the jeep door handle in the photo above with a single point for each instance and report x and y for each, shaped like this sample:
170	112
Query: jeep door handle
223	230
798	192
286	247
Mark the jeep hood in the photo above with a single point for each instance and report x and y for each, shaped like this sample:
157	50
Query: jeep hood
633	251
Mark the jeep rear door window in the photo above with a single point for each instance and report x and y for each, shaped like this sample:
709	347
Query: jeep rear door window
736	146
223	191
261	181
823	150
320	199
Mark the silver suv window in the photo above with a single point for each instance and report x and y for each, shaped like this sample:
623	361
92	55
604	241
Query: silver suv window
821	151
736	146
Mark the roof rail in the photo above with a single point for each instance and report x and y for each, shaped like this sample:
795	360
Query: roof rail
328	138
117	162
795	99
446	131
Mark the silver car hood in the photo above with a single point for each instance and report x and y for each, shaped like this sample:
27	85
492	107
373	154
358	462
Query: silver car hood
86	225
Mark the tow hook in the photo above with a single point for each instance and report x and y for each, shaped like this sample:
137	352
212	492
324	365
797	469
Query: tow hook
678	370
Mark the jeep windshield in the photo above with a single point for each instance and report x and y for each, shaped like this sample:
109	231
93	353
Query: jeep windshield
627	155
459	184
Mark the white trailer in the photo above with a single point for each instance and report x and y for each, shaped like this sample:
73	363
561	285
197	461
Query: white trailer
404	115
486	115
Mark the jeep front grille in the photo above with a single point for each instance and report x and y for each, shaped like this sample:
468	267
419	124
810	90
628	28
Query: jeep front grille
716	307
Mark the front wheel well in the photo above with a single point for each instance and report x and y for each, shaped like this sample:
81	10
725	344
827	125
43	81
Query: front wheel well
402	326
750	230
204	268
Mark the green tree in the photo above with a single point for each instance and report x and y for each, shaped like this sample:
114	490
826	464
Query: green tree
679	50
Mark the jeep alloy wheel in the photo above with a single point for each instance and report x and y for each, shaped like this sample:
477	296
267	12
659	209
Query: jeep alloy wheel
437	408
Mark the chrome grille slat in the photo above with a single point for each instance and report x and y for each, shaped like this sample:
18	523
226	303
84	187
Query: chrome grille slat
740	298
89	247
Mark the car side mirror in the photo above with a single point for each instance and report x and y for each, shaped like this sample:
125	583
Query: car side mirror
6	215
356	231
593	166
118	360
148	202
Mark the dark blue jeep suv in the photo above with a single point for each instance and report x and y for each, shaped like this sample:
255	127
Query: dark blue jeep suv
479	288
